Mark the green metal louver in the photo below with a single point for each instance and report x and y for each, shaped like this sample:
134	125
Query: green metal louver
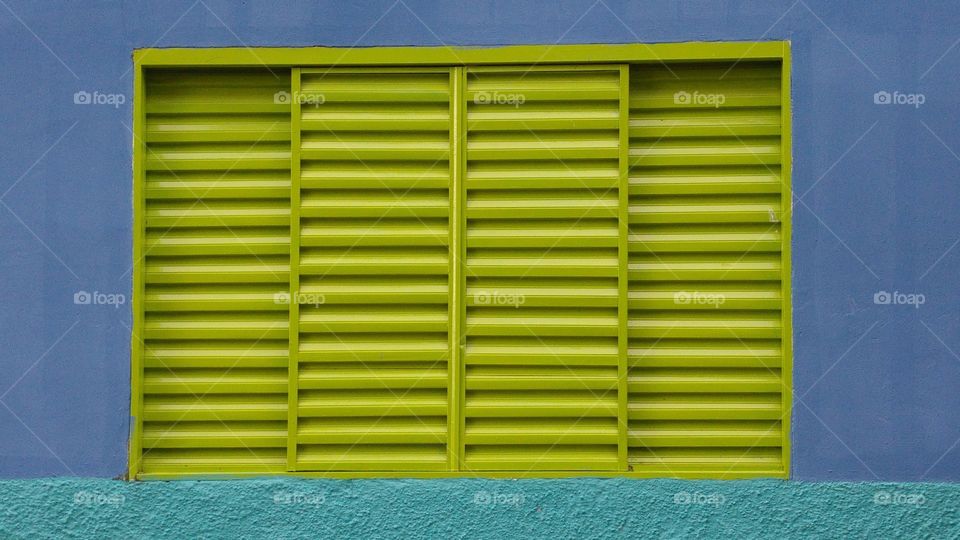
407	262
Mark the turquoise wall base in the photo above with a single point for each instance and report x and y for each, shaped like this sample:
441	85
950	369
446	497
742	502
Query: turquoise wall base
411	509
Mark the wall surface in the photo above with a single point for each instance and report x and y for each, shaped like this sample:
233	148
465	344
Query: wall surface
477	509
877	194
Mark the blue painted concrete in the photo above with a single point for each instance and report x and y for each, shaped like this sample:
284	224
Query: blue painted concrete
476	509
876	384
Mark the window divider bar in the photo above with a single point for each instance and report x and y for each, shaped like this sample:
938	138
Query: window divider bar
293	321
457	225
623	274
786	307
137	345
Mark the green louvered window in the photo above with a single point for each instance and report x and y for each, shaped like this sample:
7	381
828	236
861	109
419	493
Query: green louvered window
407	263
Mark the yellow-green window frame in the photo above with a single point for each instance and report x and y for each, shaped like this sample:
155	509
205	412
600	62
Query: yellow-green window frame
319	57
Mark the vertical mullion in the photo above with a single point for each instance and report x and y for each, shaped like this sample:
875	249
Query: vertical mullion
623	273
293	322
139	233
461	93
455	367
786	305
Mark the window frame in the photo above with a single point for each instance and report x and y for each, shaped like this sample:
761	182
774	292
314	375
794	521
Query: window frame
325	57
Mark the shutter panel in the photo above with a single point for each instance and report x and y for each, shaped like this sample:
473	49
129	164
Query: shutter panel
217	190
541	272
705	350
498	268
374	248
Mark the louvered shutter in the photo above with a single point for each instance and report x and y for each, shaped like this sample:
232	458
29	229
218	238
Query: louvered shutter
375	170
217	206
541	358
705	241
513	269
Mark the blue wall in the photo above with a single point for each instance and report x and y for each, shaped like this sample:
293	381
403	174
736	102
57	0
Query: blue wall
876	384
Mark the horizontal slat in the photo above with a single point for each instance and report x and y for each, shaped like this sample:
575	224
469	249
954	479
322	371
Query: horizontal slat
215	435
718	462
399	176
218	157
702	380
187	354
212	214
704	407
381	348
218	242
540	378
531	351
520	235
371	377
703	353
204	128
381	234
688	434
718	324
372	403
250	325
506	321
706	295
704	180
586	145
374	261
215	381
374	320
545	457
375	146
378	290
377	204
688	238
695	121
706	209
525	175
544	431
217	407
372	457
215	460
507	404
705	267
706	151
540	205
389	430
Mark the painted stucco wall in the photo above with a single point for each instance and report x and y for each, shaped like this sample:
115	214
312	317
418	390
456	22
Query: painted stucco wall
477	509
877	187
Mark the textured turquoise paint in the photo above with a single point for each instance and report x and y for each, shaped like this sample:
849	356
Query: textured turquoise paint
475	509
